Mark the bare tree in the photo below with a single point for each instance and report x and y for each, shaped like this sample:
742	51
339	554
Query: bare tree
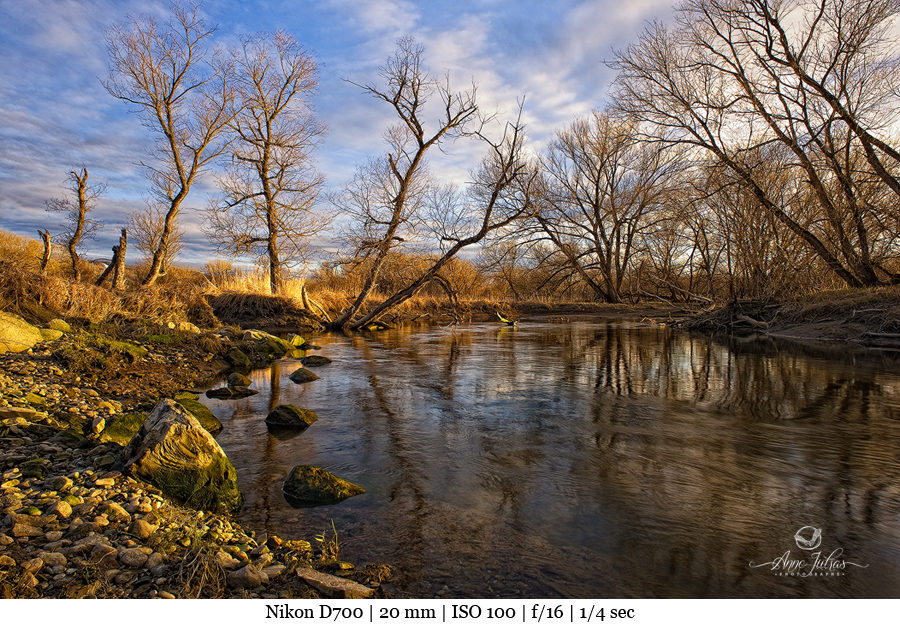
78	226
385	197
147	227
183	95
712	84
270	186
604	186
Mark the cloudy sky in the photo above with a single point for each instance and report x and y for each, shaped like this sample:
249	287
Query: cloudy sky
56	116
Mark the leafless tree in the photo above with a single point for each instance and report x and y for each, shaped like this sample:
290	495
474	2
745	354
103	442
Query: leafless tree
604	186
386	195
147	226
713	84
183	94
78	226
270	186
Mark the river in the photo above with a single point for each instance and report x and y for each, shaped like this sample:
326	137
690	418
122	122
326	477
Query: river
590	460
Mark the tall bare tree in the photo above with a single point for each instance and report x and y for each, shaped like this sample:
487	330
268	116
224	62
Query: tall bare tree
78	226
147	226
183	94
270	186
385	198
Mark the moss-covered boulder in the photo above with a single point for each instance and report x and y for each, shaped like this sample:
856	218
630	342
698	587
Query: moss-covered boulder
315	361
59	324
16	334
202	414
310	486
238	359
50	335
303	375
267	345
237	380
174	453
288	416
230	393
121	428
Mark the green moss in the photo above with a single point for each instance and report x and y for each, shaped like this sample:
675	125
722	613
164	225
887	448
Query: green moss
202	414
167	339
212	488
121	428
310	486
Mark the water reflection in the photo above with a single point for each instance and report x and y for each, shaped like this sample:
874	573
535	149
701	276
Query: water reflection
587	460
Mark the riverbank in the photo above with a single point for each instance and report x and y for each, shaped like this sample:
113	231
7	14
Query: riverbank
71	527
866	317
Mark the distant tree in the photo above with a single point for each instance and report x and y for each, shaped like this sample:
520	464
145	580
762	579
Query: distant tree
77	226
183	94
270	185
147	226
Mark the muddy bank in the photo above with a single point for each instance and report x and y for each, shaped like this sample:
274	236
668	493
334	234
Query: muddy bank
869	317
72	527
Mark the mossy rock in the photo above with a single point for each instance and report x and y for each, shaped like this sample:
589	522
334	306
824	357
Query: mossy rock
310	486
121	428
297	341
35	468
186	395
303	375
16	334
238	380
202	414
50	335
315	361
59	324
230	393
238	359
174	453
288	416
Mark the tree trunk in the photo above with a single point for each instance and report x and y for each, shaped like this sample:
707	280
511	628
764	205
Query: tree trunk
48	249
118	281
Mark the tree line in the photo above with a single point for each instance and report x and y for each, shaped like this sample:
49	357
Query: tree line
747	150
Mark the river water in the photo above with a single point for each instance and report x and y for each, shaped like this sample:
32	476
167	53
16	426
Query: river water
590	460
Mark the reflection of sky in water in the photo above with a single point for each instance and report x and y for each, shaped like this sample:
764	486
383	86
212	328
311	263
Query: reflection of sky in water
586	459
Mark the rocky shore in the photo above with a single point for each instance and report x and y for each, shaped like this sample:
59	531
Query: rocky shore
73	527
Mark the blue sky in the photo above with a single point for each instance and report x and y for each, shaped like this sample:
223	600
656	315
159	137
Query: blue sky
56	116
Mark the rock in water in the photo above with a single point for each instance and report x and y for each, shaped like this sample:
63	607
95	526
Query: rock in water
231	393
291	417
238	380
315	361
303	375
310	486
16	334
173	452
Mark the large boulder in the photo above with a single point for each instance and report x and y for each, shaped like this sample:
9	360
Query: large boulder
310	486
288	416
174	453
202	414
268	345
16	334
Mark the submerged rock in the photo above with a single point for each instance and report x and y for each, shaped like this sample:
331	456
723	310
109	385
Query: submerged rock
231	393
303	375
315	361
238	380
310	486
174	453
288	416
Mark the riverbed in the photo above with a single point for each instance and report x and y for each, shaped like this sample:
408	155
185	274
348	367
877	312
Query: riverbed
590	459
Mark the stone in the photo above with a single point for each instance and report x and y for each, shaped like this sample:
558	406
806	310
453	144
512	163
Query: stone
246	578
291	417
50	335
187	326
59	324
310	486
334	586
202	414
114	512
16	334
24	530
32	565
104	557
9	412
226	561
297	340
238	380
133	557
238	359
143	529
303	375
60	508
59	483
153	561
315	361
5	540
230	393
53	559
7	561
174	453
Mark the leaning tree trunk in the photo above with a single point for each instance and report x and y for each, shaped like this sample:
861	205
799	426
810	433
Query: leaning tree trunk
48	248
